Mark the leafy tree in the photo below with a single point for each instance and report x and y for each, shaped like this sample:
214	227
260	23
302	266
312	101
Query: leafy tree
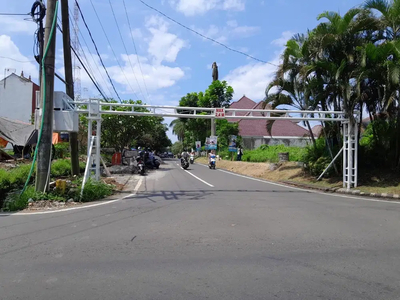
177	148
224	130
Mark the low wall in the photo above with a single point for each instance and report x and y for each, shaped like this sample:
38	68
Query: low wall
255	142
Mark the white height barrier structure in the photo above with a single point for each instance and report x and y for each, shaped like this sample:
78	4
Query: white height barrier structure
94	109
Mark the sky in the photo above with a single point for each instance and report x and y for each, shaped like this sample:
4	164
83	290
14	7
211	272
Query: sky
169	61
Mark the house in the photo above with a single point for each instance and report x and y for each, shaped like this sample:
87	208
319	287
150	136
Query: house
254	132
18	98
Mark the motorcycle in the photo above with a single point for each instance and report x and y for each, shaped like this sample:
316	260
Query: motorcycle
184	163
140	165
156	163
192	159
211	164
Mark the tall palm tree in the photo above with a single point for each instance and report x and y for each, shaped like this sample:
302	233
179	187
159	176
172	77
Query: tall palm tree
179	128
290	91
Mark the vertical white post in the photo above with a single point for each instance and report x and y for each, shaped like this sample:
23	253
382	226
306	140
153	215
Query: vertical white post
97	159
355	156
350	155
345	153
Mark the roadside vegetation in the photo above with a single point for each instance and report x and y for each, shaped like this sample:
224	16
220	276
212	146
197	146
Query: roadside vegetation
12	181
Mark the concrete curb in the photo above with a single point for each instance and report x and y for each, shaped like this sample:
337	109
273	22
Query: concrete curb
342	191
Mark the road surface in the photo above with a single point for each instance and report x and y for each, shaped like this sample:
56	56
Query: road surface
205	234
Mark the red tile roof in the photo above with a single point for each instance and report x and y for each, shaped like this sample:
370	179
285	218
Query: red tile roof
259	127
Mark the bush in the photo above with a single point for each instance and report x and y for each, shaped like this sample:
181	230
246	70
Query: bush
61	150
94	190
61	167
318	158
267	153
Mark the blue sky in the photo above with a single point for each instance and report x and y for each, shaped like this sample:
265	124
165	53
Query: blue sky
173	60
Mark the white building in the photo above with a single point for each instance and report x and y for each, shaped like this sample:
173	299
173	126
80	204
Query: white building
18	98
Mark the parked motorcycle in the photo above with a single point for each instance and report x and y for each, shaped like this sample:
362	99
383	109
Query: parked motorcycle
140	165
211	164
156	163
184	163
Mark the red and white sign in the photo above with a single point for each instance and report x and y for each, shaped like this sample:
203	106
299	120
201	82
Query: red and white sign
220	112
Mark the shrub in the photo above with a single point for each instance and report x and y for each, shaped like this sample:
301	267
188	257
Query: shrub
94	190
61	167
267	153
318	158
61	150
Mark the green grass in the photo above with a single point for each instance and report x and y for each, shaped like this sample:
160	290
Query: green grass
270	153
14	179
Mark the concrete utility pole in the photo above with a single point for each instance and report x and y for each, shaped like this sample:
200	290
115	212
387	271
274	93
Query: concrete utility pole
215	77
69	87
44	151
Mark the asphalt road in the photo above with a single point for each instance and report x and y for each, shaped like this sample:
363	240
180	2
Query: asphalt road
205	234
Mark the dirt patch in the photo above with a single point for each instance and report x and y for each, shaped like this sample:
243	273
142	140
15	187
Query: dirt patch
288	171
50	205
111	180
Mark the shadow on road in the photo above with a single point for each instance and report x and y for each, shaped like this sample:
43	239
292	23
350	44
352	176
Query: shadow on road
201	195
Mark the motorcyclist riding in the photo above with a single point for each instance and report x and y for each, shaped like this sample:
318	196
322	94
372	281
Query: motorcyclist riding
185	155
211	159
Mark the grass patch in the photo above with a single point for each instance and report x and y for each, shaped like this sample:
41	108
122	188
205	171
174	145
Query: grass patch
93	191
267	153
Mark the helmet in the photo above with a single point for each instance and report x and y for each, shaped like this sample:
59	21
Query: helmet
139	148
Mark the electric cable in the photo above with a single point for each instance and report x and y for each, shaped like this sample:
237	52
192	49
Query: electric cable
206	37
97	50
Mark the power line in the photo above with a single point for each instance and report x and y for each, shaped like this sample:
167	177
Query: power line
97	50
105	98
84	67
206	37
12	14
84	56
87	60
134	45
80	45
26	61
112	49
123	43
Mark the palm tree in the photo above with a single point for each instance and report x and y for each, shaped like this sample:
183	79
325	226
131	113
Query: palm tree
291	91
179	128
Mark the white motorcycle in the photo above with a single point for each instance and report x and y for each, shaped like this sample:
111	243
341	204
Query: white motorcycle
211	165
191	159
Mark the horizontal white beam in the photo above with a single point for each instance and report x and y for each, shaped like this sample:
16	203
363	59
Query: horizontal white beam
193	112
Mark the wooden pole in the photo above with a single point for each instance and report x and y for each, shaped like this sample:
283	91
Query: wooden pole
69	87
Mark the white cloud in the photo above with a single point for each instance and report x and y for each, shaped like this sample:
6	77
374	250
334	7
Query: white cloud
245	31
194	7
157	76
11	58
137	33
163	46
281	42
231	31
200	7
9	24
252	79
234	5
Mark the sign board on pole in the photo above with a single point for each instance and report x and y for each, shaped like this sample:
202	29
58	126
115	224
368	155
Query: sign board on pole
220	112
198	145
232	143
213	143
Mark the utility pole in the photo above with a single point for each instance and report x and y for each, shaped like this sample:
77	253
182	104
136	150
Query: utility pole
47	90
215	77
69	87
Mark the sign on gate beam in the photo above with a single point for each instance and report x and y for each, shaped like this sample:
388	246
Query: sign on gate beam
220	112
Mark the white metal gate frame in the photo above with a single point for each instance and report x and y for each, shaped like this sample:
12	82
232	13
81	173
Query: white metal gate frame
94	108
